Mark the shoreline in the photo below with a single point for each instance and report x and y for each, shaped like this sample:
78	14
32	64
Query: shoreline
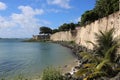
70	67
76	49
73	67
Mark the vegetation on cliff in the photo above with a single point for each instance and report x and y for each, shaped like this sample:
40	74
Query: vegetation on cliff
100	63
63	27
45	30
104	60
102	8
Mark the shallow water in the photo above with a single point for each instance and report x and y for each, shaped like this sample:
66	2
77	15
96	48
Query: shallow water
29	59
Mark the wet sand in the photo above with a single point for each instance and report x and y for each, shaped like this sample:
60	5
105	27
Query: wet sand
68	68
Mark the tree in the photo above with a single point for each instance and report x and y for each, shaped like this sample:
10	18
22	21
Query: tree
54	31
102	8
67	27
72	26
106	7
64	27
115	6
45	30
88	17
78	24
105	41
101	65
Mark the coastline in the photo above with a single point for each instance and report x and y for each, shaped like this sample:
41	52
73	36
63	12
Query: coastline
77	64
66	69
72	67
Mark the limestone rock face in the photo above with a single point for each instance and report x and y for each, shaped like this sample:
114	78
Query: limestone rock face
86	33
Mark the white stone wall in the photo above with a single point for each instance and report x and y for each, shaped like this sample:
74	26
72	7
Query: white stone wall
87	32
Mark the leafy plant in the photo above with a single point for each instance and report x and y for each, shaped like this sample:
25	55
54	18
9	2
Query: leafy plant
100	63
51	74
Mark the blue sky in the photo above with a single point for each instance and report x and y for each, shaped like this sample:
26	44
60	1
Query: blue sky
22	18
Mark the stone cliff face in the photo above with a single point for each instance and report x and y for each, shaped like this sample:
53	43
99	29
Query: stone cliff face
86	33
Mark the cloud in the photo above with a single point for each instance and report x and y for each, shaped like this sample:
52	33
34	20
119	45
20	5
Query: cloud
2	6
6	22
61	3
28	11
23	24
54	10
27	16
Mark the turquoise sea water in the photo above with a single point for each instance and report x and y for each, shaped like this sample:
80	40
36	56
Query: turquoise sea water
29	59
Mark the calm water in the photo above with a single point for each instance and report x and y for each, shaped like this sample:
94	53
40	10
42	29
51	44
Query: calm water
30	59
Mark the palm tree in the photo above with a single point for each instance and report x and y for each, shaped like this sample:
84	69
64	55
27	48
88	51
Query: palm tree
100	63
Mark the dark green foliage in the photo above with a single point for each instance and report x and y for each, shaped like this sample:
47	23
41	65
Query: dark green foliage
64	27
88	17
54	31
106	41
102	8
106	7
67	27
78	24
72	42
45	30
102	61
72	26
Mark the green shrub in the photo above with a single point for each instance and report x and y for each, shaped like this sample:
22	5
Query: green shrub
51	74
101	62
72	42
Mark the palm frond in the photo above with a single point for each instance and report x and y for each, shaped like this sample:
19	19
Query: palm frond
89	65
92	43
117	69
90	57
105	41
82	72
95	74
100	66
109	52
102	34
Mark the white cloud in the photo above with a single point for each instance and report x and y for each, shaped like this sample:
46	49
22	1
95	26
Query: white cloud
6	22
23	24
54	10
2	6
28	11
27	17
61	3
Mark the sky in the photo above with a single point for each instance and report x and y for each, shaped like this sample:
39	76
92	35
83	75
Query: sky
23	18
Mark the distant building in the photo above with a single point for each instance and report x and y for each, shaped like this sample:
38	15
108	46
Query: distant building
41	37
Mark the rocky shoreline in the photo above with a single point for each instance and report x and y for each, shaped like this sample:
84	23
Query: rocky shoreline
76	49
